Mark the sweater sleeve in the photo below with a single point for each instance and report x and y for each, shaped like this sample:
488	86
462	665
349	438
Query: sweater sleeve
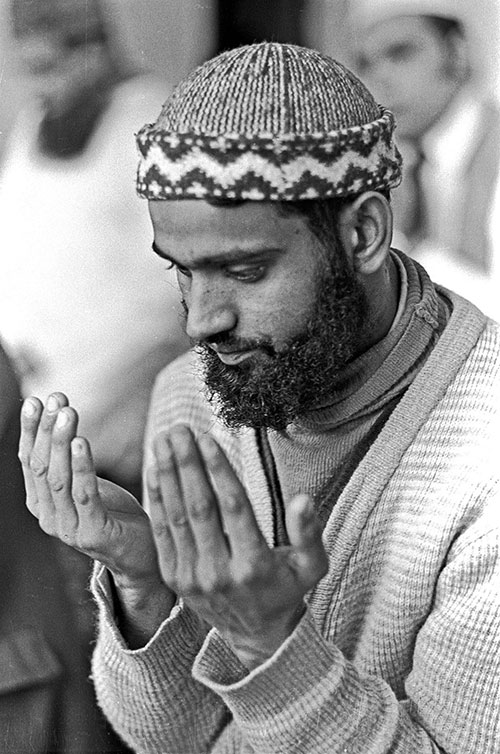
149	694
309	692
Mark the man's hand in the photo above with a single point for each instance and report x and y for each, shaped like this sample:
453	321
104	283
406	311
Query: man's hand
212	553
92	515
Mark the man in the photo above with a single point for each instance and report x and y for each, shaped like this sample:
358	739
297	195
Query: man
423	59
320	469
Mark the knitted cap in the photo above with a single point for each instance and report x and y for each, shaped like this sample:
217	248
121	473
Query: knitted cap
268	122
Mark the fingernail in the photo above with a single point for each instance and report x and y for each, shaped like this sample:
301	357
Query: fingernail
52	404
208	446
77	447
62	419
29	408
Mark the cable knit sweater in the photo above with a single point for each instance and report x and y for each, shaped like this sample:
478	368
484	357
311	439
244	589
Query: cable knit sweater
399	649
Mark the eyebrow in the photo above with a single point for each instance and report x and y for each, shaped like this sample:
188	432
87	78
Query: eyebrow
227	257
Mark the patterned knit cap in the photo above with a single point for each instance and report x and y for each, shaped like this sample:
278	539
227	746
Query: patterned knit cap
268	122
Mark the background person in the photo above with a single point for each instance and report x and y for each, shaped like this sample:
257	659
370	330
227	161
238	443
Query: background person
82	300
423	58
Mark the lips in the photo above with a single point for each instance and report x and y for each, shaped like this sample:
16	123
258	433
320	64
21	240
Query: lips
231	358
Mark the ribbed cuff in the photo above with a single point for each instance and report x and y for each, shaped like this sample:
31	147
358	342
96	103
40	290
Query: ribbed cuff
292	675
176	635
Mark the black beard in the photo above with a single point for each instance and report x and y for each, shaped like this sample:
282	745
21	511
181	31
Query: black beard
273	389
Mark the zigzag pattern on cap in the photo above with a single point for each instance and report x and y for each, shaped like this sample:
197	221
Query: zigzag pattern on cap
268	122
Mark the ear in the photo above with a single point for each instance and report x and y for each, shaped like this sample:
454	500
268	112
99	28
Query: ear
365	228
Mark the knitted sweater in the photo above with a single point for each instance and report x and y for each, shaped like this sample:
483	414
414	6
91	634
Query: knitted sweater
399	649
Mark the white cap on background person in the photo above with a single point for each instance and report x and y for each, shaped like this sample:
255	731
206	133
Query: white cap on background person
480	20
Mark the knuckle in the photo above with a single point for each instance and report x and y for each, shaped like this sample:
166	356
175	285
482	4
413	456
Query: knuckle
23	456
165	464
212	581
81	496
160	530
201	510
188	584
178	519
47	525
232	502
246	575
168	576
37	467
56	483
254	569
33	507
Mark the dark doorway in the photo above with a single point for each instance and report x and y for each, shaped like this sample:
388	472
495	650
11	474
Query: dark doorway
246	21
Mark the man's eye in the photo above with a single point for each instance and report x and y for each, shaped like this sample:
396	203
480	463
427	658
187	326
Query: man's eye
247	274
401	52
182	270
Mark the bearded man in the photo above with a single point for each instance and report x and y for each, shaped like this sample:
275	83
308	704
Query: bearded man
319	567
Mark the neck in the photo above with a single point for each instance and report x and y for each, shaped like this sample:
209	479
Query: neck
382	289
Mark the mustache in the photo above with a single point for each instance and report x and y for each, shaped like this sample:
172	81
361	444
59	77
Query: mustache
231	341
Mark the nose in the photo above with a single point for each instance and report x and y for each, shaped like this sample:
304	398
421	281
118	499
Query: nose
209	312
38	54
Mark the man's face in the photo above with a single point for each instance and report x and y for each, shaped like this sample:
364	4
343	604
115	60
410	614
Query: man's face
58	69
274	322
408	66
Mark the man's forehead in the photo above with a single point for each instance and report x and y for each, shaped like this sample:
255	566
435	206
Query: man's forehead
196	232
188	217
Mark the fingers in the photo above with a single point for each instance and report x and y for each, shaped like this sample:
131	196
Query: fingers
56	490
193	523
164	541
200	504
42	445
240	525
85	490
58	469
305	534
30	417
35	444
174	513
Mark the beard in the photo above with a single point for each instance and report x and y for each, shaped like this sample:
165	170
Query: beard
274	388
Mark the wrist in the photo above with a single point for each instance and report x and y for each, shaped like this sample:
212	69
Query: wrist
253	651
140	608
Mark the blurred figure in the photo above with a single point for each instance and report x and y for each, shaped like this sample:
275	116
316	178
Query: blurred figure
422	58
46	698
82	302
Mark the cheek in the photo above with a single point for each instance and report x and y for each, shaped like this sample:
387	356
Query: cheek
281	314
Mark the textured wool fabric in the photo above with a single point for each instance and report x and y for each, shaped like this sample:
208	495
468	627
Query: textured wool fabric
268	122
399	649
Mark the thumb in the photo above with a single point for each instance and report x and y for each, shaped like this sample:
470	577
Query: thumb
304	532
